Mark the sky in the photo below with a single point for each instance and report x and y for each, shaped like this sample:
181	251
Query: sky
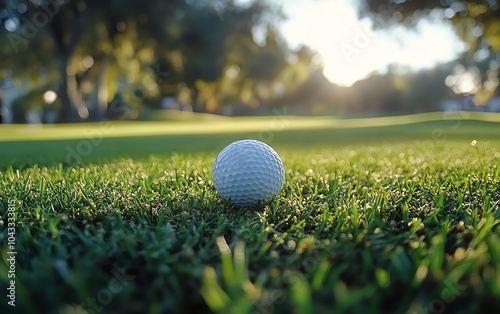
351	50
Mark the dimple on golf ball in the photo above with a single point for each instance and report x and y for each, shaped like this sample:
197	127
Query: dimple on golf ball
248	171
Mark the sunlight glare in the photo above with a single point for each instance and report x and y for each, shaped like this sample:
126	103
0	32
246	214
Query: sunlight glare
351	50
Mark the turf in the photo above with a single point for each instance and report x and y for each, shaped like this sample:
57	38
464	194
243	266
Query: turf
398	218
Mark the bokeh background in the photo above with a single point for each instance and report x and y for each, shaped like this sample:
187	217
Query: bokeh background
89	60
382	111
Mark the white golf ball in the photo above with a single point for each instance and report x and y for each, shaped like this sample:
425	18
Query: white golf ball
248	171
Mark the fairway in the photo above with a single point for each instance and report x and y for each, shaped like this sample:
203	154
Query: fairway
379	215
194	133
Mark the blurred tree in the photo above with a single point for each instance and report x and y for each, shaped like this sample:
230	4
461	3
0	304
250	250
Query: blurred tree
1	104
81	42
477	22
426	89
473	19
95	51
299	68
16	60
375	94
219	60
41	37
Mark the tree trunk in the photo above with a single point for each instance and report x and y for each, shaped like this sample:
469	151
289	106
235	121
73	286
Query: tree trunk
1	107
102	94
198	105
66	34
68	110
74	108
76	96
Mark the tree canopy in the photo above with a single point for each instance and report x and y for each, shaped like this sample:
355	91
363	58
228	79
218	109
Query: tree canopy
93	51
476	22
106	59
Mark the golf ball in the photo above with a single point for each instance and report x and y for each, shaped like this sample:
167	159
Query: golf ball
248	171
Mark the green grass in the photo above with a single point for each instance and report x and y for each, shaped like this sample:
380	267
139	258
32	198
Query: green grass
200	124
98	142
373	218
